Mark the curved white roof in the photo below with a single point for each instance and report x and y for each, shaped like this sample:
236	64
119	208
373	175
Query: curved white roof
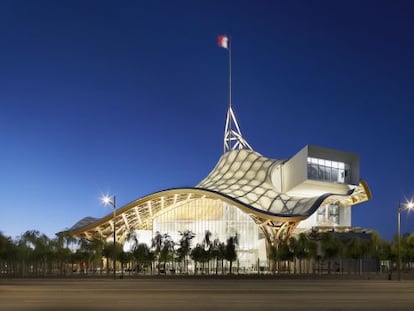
242	178
245	175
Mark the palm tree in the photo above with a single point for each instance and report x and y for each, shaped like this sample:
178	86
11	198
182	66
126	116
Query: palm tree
410	250
217	251
143	256
230	253
167	250
110	251
83	255
63	245
132	240
3	251
132	237
369	246
185	246
40	244
55	256
8	258
196	255
96	247
23	257
163	249
123	257
285	253
207	254
331	247
157	242
106	253
302	249
26	251
383	254
354	250
405	251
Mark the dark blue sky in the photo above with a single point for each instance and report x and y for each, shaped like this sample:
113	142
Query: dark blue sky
129	97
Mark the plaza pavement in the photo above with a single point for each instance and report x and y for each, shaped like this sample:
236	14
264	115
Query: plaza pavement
208	293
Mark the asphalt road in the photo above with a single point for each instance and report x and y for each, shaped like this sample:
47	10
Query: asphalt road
205	294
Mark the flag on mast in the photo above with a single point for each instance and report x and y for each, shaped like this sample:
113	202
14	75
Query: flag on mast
223	41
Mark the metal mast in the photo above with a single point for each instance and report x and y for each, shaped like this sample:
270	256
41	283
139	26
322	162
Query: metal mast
233	138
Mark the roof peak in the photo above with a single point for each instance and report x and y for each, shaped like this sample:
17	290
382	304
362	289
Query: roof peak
233	138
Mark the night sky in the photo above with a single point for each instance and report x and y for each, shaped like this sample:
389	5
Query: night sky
130	97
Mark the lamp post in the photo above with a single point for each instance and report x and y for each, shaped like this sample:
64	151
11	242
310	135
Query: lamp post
107	200
409	206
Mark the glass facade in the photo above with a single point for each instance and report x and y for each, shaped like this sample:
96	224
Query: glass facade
328	215
330	171
221	219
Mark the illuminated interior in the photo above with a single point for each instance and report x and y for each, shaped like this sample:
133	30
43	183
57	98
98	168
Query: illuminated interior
262	200
330	171
221	219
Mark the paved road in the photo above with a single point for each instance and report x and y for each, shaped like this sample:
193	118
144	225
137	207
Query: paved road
205	294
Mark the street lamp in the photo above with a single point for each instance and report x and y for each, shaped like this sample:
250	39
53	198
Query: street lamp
108	201
408	206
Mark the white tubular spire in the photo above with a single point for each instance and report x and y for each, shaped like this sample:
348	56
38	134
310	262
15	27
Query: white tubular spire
233	139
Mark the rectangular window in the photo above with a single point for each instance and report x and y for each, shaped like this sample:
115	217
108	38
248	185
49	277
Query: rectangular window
334	174
333	211
330	171
313	171
341	176
328	215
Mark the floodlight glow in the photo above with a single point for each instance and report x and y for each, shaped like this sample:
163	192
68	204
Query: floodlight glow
107	200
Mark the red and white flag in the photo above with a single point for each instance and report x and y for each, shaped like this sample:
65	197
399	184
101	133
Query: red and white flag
223	41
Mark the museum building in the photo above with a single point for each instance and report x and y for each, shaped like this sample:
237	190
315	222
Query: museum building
262	200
